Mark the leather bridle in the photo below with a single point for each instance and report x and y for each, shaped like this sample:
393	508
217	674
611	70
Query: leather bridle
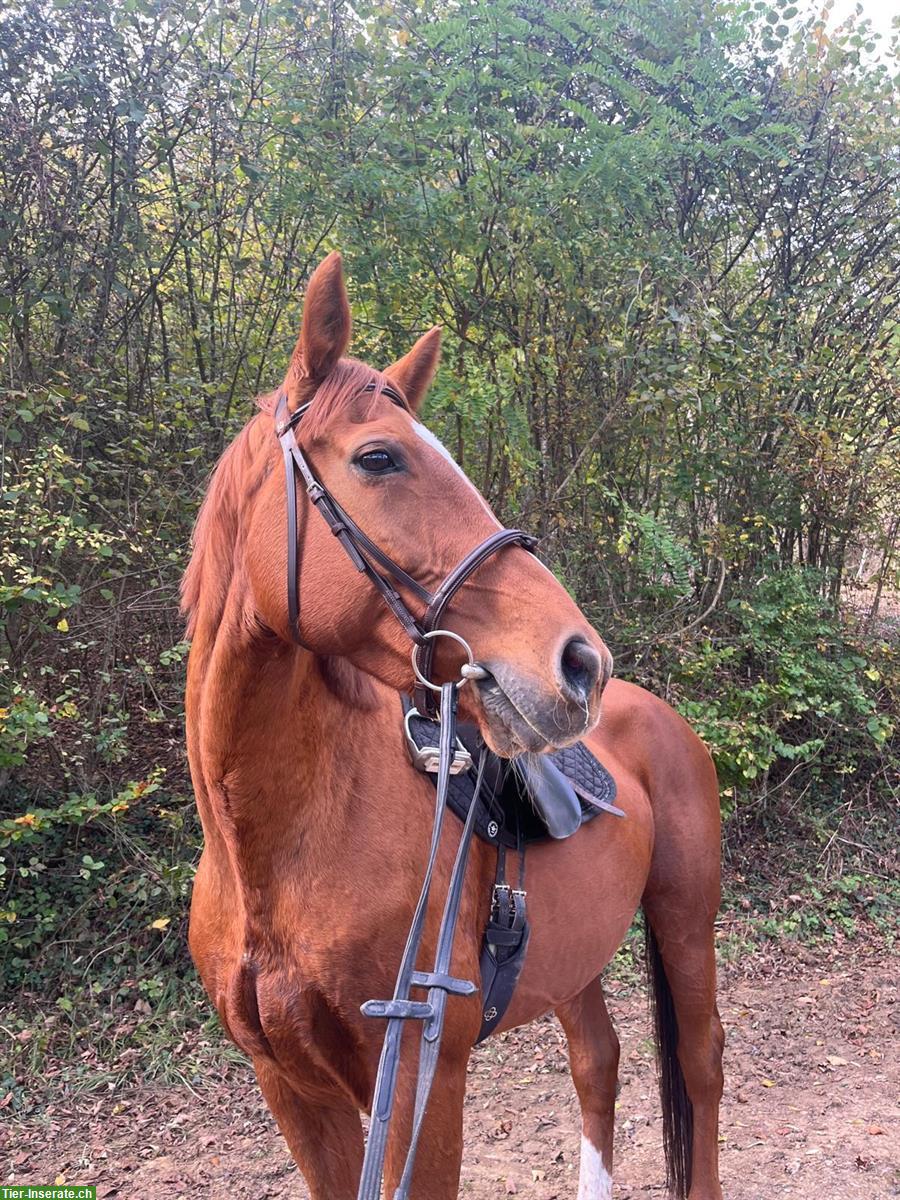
438	983
369	558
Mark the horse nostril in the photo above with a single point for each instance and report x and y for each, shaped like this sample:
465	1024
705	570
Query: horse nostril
580	667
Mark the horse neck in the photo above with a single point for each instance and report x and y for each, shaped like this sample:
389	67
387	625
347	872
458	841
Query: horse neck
264	734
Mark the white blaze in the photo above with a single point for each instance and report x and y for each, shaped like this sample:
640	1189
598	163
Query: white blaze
594	1181
436	444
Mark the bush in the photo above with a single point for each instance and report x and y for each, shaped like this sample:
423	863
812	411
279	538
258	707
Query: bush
95	892
782	686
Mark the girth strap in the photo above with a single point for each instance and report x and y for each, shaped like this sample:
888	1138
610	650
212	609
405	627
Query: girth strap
505	945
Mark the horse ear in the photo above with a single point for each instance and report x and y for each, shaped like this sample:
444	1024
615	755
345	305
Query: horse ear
326	328
415	371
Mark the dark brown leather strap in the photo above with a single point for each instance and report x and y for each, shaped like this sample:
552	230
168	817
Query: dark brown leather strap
360	549
449	588
350	536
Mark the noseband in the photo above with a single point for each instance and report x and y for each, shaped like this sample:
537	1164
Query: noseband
367	557
438	983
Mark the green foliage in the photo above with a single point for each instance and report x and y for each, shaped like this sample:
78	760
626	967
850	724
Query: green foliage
781	685
121	865
835	907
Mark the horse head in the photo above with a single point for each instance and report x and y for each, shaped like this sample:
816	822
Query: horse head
544	667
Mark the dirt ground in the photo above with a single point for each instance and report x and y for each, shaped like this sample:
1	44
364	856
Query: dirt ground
810	1110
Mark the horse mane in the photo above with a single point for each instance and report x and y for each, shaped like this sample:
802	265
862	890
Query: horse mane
217	530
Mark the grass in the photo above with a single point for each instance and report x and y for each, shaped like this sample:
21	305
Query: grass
86	1047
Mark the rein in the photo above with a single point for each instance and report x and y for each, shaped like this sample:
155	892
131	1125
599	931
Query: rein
370	559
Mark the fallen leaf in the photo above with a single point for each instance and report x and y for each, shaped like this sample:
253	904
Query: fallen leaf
768	1082
875	1131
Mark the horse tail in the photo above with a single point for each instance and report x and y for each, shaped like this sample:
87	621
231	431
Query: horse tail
677	1111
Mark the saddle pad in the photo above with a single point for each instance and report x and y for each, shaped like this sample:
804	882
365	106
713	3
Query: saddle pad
508	813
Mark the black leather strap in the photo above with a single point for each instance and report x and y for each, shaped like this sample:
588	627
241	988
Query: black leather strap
505	945
400	1008
348	533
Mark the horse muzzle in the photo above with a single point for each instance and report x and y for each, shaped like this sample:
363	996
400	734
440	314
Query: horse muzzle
517	714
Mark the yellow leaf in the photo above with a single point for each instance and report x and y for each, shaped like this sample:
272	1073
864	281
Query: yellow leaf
62	625
159	923
59	1180
768	1083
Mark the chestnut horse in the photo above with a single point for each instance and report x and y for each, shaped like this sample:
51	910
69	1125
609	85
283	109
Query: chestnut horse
316	825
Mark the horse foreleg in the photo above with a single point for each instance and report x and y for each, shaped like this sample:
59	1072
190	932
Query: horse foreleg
439	1153
594	1063
324	1138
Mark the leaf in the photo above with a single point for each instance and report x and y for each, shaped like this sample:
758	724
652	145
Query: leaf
62	625
159	923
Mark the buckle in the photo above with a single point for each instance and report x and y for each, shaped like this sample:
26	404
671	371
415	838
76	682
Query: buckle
507	905
427	759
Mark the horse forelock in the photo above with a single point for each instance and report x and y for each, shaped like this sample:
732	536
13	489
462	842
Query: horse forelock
345	385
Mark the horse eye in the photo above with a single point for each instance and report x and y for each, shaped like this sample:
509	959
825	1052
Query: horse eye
376	462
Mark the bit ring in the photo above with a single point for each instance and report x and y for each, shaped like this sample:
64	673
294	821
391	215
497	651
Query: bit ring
470	669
